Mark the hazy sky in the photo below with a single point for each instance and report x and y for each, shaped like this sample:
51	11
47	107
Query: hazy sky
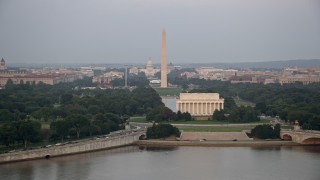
127	31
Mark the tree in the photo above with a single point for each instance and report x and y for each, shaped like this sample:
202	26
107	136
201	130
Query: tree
61	128
147	97
219	115
8	133
229	103
186	116
276	130
9	85
5	115
162	131
93	109
66	98
160	113
118	82
264	131
250	115
262	107
114	118
29	131
103	123
184	86
139	80
179	115
78	122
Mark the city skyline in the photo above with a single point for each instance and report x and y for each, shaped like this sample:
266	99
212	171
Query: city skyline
129	31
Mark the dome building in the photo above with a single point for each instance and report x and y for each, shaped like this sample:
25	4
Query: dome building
3	64
149	68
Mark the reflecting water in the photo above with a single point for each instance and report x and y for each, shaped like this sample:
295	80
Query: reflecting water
180	163
170	102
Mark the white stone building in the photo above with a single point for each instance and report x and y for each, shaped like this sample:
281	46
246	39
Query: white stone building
200	105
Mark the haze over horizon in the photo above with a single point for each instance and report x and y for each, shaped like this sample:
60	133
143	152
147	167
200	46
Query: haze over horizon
129	31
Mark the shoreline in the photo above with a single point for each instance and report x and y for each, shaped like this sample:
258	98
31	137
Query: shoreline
166	143
217	143
70	149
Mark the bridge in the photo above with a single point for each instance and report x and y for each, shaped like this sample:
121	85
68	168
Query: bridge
301	136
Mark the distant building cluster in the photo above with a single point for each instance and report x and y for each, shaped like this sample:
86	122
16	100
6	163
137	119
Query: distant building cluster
104	77
150	71
302	75
105	80
288	75
45	75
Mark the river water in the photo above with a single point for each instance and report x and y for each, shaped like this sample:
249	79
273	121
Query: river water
179	163
170	102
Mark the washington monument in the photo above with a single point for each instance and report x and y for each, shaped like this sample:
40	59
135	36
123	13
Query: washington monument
164	71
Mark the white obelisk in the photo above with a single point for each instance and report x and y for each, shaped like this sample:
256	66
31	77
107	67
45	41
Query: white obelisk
164	71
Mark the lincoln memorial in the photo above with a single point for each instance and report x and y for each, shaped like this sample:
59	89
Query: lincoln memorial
200	105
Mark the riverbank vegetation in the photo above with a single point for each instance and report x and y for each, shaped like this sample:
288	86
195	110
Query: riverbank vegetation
31	113
266	131
157	131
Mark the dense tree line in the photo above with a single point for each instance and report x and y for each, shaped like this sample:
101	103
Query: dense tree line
289	101
162	131
266	131
46	102
236	114
20	131
70	111
163	113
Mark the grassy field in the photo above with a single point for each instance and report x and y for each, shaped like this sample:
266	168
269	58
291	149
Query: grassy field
45	125
168	91
241	102
140	120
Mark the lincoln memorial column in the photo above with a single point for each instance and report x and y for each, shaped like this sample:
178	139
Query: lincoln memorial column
193	108
202	108
207	108
197	109
213	107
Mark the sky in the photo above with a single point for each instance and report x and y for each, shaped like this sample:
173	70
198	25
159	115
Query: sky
129	31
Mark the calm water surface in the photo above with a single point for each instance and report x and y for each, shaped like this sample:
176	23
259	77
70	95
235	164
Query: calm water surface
181	163
170	102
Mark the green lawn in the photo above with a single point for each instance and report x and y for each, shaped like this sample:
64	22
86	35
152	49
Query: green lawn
168	91
45	125
140	120
287	127
241	102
